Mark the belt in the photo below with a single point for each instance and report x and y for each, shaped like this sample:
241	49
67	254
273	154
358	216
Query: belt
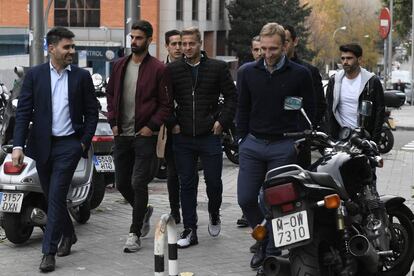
268	138
61	138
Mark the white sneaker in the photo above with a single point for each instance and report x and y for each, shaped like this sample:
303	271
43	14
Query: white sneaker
146	223
187	238
133	243
214	226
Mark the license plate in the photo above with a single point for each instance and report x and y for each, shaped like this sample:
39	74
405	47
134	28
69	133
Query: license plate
104	163
11	202
290	229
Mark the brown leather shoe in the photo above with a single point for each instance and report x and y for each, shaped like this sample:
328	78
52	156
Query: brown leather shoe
66	245
48	263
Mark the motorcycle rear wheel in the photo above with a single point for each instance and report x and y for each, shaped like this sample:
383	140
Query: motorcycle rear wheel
16	231
98	193
386	141
308	260
402	242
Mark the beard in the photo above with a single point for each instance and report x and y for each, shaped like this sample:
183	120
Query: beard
139	49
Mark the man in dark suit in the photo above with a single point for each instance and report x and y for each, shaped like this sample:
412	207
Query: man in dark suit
59	99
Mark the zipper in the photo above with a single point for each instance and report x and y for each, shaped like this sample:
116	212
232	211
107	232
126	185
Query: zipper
194	104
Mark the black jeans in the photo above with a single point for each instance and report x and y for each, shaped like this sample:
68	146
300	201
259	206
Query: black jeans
173	184
132	158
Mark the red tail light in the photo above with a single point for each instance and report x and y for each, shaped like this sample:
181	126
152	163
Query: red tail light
108	138
280	194
10	169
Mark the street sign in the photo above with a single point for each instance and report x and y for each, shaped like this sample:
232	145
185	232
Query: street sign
385	23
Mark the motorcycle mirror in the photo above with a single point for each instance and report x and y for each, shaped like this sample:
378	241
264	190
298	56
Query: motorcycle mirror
365	108
293	103
19	71
97	79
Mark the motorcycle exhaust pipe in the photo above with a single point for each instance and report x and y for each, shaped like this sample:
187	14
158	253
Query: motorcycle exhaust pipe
361	248
273	266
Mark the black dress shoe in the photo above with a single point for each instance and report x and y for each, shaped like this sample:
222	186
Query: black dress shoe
48	263
66	245
242	222
258	258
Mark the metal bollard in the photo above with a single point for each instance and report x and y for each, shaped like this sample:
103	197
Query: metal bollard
166	223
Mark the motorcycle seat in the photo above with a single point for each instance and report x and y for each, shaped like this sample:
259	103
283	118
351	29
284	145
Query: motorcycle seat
326	180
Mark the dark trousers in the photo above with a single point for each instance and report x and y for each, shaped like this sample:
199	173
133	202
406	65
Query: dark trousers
172	178
256	157
132	157
55	177
187	150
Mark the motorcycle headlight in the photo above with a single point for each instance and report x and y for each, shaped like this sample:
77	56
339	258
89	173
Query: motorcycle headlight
14	103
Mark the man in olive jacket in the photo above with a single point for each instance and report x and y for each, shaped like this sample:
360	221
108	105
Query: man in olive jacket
197	124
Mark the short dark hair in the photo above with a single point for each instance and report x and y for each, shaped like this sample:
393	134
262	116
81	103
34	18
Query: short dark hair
144	26
170	34
56	34
353	48
291	30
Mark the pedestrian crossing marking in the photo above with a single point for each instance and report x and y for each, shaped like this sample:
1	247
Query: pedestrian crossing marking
408	147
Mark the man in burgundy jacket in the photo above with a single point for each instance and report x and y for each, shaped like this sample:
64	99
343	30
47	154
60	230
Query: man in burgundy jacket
138	104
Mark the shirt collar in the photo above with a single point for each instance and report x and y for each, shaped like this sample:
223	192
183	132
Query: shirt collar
52	68
277	66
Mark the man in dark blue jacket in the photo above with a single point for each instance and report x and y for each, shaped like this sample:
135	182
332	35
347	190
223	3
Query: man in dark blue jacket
261	121
60	101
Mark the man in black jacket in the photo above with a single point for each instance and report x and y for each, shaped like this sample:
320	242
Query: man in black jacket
304	156
347	88
198	82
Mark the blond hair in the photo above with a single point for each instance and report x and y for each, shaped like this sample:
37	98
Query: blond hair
273	28
192	31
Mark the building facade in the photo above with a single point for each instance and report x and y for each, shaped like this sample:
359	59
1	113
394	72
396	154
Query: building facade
99	26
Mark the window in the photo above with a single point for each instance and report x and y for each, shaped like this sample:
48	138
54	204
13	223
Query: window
208	10
77	13
179	10
222	6
195	9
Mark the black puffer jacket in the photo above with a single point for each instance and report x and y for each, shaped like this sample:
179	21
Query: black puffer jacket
197	110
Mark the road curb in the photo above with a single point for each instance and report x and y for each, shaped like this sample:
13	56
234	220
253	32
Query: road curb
408	128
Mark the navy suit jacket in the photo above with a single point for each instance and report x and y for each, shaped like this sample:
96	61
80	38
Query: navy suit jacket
35	105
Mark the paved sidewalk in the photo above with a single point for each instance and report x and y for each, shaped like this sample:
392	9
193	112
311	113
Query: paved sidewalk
99	249
404	117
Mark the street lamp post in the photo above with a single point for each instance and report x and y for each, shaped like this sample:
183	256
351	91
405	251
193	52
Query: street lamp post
343	28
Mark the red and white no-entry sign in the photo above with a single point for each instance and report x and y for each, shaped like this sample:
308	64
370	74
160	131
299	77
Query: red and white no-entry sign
385	23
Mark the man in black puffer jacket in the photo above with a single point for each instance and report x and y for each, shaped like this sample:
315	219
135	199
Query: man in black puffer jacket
197	124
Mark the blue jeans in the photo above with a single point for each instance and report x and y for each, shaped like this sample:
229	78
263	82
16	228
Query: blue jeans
256	157
187	150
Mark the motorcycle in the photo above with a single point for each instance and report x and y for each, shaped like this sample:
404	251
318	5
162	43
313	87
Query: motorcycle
22	201
391	100
4	97
102	144
332	220
229	140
